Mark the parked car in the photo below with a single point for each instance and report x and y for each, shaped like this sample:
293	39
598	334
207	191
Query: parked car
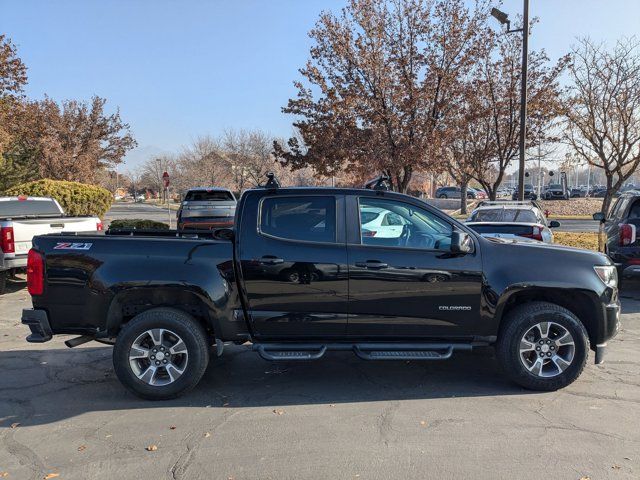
512	219
620	227
456	192
381	223
163	298
529	193
206	208
578	192
555	191
23	217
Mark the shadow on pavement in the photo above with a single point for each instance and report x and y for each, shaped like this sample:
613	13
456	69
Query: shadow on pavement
44	386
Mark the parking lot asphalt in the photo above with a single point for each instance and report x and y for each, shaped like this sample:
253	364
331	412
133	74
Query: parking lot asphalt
338	418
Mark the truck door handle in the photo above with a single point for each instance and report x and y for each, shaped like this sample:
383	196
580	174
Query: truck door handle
372	264
271	260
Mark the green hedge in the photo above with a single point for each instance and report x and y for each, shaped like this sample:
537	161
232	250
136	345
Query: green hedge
138	224
74	197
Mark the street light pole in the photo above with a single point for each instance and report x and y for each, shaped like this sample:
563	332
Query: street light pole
503	18
523	98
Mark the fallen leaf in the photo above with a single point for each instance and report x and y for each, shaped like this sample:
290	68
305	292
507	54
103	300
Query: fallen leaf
585	478
108	436
207	435
82	447
51	475
172	427
278	412
15	425
332	404
151	448
627	458
615	467
423	423
4	474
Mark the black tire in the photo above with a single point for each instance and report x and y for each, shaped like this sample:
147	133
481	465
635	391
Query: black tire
3	282
191	333
442	196
518	322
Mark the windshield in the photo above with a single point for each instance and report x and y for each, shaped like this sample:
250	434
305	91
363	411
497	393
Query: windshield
208	196
20	208
504	215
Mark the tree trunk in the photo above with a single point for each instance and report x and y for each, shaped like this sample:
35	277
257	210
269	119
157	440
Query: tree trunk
606	203
463	196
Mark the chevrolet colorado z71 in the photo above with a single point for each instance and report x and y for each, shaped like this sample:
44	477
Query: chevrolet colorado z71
300	274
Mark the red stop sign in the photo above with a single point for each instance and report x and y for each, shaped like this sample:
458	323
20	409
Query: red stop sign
165	179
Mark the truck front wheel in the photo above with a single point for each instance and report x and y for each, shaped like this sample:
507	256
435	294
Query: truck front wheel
161	354
542	346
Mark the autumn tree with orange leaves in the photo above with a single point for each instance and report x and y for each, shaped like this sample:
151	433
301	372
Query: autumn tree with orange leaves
381	77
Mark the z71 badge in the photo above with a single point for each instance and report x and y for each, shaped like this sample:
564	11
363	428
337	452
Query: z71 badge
72	246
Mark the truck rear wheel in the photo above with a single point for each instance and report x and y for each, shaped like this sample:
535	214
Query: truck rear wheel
161	354
542	346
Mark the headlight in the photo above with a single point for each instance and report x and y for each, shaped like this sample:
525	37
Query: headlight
608	274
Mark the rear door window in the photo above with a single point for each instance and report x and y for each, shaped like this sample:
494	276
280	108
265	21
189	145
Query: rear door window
311	219
18	208
208	196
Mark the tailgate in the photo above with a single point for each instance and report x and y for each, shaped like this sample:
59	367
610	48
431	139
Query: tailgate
25	230
208	209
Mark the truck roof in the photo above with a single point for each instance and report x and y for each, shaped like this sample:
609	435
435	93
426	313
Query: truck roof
208	189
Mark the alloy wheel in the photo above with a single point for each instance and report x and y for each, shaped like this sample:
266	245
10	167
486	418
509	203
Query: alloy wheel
547	349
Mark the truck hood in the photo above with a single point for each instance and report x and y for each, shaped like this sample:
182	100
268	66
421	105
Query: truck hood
553	249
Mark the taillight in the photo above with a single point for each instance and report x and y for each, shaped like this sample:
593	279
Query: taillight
627	234
35	273
536	233
99	227
7	242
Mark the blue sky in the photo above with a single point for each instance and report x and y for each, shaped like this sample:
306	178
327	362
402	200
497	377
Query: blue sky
179	69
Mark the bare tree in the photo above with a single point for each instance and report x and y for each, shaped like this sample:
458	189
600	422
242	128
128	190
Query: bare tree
603	110
204	162
494	92
249	156
153	169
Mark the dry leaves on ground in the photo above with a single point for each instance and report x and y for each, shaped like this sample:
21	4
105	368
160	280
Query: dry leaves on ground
15	425
82	447
278	412
152	448
207	435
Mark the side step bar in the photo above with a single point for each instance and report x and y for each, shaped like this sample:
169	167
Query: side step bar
365	351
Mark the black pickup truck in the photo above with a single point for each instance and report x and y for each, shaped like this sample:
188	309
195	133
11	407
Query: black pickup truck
307	270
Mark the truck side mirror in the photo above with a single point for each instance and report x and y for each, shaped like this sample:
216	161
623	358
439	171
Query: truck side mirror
554	224
598	217
461	242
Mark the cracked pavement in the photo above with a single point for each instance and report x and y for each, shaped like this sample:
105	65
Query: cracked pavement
338	418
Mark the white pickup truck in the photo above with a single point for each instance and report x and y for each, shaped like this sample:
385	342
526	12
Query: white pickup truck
21	218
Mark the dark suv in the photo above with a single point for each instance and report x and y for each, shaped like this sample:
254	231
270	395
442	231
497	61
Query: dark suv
620	227
529	193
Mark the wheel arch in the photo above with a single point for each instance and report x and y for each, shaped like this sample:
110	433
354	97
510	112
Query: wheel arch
579	302
130	302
